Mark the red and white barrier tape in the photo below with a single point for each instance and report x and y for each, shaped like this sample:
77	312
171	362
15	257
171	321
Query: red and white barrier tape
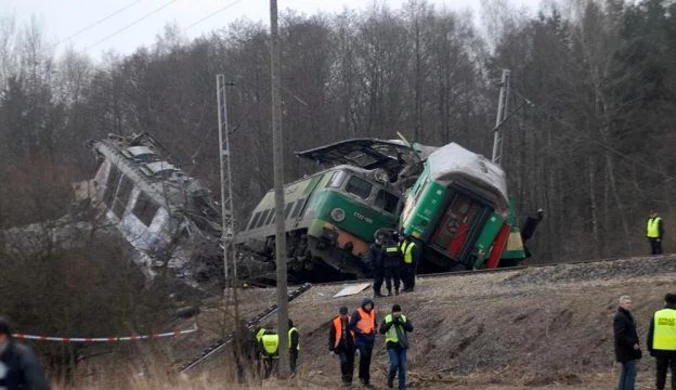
21	336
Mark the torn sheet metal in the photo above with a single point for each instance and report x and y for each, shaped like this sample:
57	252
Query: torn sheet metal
352	290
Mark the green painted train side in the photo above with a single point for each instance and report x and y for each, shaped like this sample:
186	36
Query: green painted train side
424	206
360	220
337	225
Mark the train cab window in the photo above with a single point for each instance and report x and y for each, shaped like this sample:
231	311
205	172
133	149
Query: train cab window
111	185
145	209
264	216
287	210
337	179
298	208
254	220
359	187
387	201
122	196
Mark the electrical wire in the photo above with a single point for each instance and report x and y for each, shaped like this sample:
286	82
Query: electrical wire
133	3
156	10
213	14
604	145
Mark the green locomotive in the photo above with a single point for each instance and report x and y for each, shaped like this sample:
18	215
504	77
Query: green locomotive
330	217
452	201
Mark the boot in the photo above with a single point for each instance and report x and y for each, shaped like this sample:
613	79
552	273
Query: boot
396	292
389	293
379	295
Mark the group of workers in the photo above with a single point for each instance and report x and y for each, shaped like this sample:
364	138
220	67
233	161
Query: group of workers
394	257
356	334
661	342
350	336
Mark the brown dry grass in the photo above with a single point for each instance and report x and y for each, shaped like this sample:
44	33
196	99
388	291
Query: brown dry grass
544	328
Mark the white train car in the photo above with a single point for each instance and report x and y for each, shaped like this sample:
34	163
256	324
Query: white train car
168	216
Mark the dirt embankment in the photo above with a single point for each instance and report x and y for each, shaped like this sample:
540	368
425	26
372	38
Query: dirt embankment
548	327
537	326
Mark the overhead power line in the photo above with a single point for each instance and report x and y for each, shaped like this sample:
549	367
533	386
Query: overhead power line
133	3
213	14
156	10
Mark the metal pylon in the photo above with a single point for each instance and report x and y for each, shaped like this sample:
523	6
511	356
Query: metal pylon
227	209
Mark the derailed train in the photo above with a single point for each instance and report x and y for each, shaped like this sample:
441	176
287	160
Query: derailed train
451	201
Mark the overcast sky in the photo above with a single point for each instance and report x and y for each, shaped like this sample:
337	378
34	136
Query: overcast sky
63	18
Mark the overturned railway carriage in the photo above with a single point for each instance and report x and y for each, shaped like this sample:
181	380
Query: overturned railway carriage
166	215
459	209
330	219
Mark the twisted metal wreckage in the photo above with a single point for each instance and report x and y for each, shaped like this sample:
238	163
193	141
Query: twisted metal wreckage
172	222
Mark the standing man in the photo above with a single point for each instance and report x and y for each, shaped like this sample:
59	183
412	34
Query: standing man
376	261
655	232
411	255
294	347
393	261
627	349
363	324
395	327
19	367
269	350
341	343
662	341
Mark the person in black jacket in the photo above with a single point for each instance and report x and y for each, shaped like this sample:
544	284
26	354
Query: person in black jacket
627	348
662	345
376	261
19	367
393	261
341	344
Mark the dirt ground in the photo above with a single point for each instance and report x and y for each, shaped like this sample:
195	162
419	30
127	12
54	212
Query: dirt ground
537	328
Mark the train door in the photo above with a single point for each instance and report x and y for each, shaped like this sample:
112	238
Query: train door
454	230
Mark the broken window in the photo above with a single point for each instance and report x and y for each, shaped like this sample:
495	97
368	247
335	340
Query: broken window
264	216
111	185
359	187
299	207
145	209
270	216
387	201
337	179
122	197
254	219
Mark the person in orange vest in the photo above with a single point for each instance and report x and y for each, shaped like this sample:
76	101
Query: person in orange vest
662	341
655	232
341	344
363	323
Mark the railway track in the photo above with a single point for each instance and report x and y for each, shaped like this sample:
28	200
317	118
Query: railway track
217	347
496	270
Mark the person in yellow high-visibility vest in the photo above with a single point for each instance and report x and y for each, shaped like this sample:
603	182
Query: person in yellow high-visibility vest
294	346
268	341
396	327
662	341
655	232
411	253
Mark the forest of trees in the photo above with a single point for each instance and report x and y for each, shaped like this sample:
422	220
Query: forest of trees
595	150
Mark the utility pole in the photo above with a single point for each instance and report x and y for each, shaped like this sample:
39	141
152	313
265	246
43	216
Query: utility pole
278	161
502	111
227	208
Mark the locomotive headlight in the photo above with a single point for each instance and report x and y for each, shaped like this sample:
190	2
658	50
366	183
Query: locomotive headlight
338	214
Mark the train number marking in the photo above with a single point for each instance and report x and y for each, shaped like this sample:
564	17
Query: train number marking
361	216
